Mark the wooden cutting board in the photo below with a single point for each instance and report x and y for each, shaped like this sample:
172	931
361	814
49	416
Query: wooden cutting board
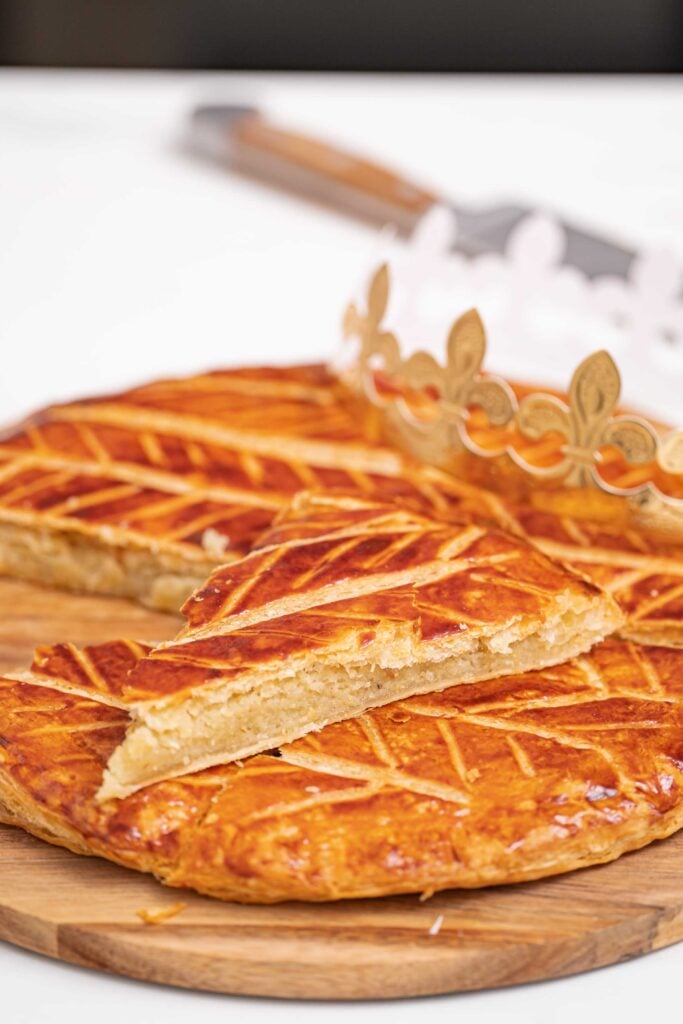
85	910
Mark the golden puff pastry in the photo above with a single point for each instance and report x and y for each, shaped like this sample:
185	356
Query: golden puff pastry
142	494
346	605
643	574
501	781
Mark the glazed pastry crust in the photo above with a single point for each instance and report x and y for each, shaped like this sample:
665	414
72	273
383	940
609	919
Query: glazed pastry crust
346	605
142	494
492	783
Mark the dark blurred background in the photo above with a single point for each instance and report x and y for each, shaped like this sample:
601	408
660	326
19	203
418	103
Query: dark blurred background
340	35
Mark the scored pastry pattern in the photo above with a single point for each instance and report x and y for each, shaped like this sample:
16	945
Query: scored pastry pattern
131	470
502	780
196	468
380	577
645	578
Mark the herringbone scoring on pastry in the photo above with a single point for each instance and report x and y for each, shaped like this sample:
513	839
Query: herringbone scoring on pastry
497	782
366	604
644	576
142	494
374	589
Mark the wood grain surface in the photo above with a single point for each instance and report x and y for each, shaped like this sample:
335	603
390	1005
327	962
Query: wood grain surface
33	615
86	911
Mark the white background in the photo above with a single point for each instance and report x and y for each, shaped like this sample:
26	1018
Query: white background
120	257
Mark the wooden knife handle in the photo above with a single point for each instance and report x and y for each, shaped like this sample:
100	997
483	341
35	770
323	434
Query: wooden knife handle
323	172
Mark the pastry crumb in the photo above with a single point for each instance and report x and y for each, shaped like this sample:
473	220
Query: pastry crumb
436	925
426	895
157	915
214	543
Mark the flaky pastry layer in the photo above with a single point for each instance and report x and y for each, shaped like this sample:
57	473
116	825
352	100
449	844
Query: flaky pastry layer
348	605
191	471
496	782
71	561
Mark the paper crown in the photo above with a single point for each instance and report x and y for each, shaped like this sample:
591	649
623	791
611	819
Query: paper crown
455	415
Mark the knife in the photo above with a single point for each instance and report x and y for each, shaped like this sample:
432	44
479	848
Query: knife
245	140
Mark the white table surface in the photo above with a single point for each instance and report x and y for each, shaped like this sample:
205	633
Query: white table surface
121	258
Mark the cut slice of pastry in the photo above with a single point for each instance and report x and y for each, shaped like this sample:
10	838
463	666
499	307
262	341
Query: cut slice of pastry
347	605
143	494
497	782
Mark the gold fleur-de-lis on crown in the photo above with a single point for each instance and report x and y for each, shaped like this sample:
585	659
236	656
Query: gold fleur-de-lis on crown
587	424
376	345
453	387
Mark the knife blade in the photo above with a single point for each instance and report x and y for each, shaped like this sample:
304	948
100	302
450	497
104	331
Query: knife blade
246	141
